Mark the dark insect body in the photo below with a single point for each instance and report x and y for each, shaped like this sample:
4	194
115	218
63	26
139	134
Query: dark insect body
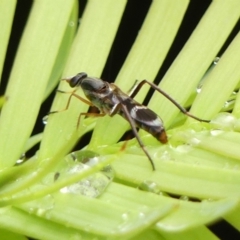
110	100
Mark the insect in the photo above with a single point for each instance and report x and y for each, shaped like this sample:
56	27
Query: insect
111	100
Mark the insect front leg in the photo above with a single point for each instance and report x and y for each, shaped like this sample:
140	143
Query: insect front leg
134	129
72	94
155	87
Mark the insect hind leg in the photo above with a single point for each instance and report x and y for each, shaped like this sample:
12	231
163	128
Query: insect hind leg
155	87
130	120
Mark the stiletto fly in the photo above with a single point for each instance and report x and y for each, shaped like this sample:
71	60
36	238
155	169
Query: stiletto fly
111	100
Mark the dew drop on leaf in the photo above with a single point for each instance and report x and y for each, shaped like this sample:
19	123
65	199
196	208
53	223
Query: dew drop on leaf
150	186
45	120
93	185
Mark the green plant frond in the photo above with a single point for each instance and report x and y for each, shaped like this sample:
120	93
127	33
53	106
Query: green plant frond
108	190
5	235
30	75
196	233
2	101
233	218
81	58
7	9
63	52
195	58
33	140
105	218
37	227
210	102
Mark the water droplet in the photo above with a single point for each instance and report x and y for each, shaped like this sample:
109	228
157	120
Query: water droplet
165	156
199	88
184	198
224	121
150	186
92	186
41	206
228	105
216	132
142	215
125	216
216	60
95	184
45	119
41	212
21	160
183	148
210	200
201	82
194	141
71	23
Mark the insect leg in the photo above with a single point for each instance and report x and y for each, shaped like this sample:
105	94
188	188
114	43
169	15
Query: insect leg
89	115
130	120
69	100
77	96
155	87
132	89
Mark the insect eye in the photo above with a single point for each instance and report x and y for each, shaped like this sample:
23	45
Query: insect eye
102	88
76	80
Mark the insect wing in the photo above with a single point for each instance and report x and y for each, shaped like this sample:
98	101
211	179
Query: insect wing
146	119
143	116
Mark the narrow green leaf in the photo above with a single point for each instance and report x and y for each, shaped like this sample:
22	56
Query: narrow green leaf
195	58
118	221
31	71
37	227
89	52
6	235
199	233
210	102
234	218
184	216
7	8
180	178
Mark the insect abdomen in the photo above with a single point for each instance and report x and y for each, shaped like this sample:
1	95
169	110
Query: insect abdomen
161	135
146	119
155	128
